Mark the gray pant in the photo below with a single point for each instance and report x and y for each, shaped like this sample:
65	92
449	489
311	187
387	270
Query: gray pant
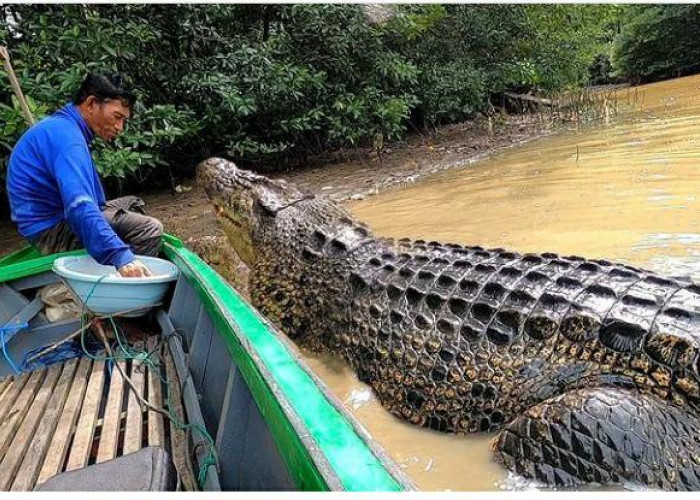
128	220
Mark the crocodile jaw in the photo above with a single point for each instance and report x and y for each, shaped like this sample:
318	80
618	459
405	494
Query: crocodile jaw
233	197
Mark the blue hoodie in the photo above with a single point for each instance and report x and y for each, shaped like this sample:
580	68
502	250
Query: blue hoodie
51	178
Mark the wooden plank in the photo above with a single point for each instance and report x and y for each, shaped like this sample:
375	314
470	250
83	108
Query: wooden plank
9	426
156	429
109	437
20	443
29	469
4	384
85	430
58	449
10	395
100	421
190	399
226	405
178	437
133	433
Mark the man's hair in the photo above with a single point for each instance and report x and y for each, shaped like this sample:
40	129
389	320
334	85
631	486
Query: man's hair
104	86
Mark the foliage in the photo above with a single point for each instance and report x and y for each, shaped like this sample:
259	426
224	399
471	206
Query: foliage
452	92
658	41
14	123
601	70
53	48
268	83
324	81
467	53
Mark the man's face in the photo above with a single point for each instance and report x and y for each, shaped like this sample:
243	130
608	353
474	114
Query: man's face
107	119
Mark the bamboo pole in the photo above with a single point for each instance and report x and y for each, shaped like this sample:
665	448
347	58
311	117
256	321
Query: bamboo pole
5	55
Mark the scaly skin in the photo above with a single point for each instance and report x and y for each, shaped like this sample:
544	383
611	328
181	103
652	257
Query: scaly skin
584	365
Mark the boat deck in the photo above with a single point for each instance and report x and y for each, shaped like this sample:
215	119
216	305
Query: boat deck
77	413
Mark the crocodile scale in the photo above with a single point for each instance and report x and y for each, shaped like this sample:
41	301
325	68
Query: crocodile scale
587	369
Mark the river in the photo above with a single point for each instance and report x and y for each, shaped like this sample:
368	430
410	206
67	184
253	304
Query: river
626	188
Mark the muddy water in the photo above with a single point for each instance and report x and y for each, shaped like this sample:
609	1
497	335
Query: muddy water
627	190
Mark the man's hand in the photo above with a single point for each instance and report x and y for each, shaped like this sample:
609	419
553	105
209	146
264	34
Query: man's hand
134	269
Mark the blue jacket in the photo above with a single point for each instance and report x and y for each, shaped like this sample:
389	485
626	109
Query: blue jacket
51	177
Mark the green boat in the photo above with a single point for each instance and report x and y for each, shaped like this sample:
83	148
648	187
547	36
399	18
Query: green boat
242	410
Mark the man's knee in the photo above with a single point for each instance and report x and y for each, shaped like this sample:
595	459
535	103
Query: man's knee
147	239
155	227
154	236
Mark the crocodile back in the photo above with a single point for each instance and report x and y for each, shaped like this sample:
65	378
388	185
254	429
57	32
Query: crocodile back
463	338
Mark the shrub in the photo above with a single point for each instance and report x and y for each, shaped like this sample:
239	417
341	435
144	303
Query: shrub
658	41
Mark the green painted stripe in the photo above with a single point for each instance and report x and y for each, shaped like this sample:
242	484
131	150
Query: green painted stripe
23	254
27	262
349	456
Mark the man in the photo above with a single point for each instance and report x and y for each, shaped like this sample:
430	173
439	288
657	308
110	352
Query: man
56	197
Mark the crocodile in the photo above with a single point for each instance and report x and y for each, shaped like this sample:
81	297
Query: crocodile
586	370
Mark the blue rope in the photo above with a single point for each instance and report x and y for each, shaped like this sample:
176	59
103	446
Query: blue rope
7	329
67	351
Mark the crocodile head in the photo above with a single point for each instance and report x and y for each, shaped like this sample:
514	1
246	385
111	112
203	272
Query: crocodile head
244	202
300	248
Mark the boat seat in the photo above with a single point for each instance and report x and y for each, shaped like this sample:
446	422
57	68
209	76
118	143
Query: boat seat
149	469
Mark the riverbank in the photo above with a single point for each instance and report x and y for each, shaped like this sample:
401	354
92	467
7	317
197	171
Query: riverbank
188	215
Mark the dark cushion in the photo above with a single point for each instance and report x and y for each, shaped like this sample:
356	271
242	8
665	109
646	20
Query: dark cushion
149	469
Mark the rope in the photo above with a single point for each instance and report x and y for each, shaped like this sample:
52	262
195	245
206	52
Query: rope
3	330
144	357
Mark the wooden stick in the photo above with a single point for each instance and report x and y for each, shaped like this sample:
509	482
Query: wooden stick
15	85
178	437
144	403
25	432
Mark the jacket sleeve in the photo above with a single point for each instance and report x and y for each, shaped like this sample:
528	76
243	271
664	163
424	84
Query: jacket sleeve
73	172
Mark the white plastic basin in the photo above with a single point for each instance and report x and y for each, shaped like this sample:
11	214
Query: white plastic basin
103	291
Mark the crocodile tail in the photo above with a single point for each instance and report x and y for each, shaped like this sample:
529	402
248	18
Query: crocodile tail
605	435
